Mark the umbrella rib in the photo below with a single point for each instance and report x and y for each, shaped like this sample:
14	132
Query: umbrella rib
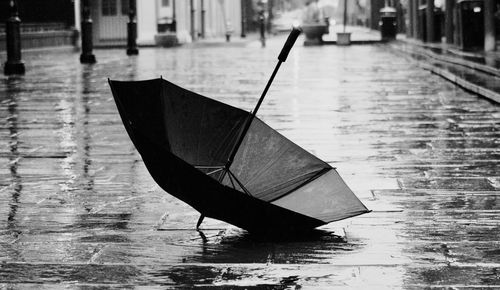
214	171
227	139
163	102
217	168
203	115
239	183
311	179
231	179
208	166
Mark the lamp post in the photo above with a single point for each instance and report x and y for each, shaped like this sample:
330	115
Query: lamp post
132	29
14	64
87	44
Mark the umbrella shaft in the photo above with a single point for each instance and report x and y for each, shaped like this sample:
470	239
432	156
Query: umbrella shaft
251	117
254	113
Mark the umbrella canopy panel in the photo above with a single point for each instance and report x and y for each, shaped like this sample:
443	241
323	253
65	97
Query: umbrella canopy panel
269	165
203	132
326	198
274	169
197	129
200	130
141	110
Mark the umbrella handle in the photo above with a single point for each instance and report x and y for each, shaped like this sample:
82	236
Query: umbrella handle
289	43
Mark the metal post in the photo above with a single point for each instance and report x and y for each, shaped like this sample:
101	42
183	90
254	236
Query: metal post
411	21
87	43
489	25
262	22
132	29
429	18
448	20
416	20
14	64
174	20
202	4
345	14
269	16
193	36
243	18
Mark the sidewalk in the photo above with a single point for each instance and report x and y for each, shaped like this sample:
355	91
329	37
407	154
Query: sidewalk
478	72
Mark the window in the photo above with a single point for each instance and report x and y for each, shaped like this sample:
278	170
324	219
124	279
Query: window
125	7
108	7
165	3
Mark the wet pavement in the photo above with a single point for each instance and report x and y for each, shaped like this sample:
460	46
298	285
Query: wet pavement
474	71
79	210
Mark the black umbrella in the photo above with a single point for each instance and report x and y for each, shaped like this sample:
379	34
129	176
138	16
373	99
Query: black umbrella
228	164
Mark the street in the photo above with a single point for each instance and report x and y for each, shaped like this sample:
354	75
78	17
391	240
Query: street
78	208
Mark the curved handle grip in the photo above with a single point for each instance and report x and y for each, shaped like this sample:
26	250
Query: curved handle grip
289	43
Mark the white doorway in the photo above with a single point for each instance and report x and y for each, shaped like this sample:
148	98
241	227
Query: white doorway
113	18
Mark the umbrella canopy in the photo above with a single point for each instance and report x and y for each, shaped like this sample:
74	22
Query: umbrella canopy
185	140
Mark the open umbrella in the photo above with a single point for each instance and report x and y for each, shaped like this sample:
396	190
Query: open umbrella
228	164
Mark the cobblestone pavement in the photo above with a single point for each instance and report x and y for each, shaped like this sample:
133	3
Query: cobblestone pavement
79	210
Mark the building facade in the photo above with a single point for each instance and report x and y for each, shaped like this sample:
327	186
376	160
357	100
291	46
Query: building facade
44	23
466	24
207	19
189	20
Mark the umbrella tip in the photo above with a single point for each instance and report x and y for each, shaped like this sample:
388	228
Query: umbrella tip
200	220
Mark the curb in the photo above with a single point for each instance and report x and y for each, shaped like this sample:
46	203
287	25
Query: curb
479	90
424	50
462	82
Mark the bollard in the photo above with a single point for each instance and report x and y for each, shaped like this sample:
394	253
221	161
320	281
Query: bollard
132	30
87	43
14	64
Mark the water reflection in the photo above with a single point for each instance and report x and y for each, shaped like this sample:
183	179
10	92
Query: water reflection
100	221
86	136
227	277
238	246
14	156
